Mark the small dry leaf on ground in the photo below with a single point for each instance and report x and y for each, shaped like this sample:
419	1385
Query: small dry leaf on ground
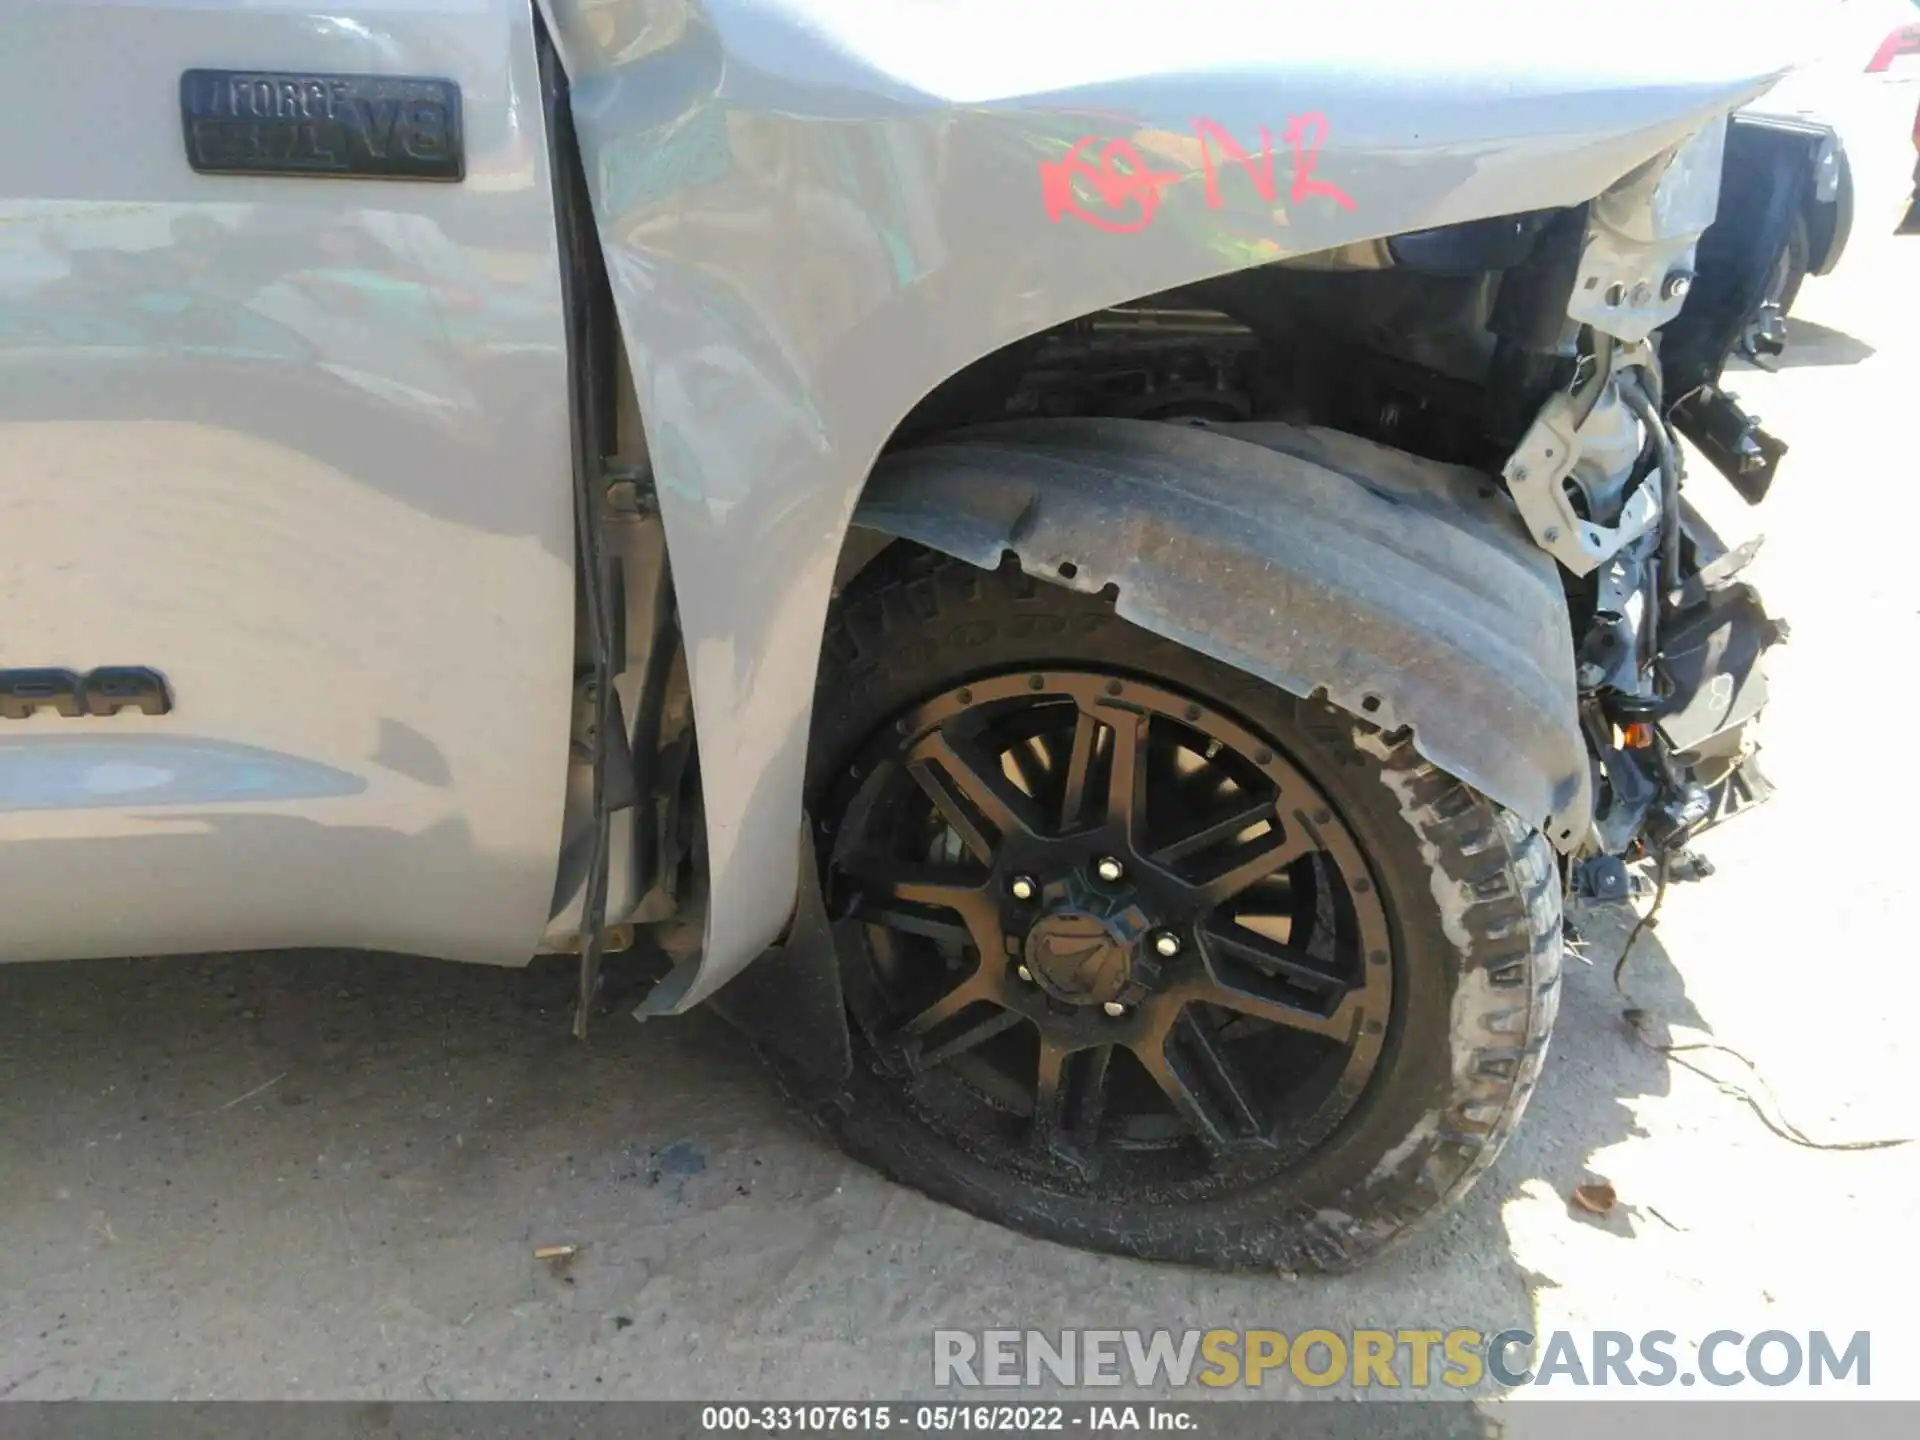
1596	1197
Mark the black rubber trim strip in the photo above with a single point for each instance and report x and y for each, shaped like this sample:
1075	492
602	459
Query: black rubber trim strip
588	303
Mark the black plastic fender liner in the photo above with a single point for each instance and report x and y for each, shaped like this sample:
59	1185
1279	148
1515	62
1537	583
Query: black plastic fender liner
789	1002
1408	591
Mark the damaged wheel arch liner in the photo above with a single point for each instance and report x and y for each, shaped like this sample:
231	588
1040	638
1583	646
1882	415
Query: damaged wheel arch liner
1405	591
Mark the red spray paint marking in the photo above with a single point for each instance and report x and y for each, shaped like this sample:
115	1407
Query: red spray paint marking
1118	189
1305	135
1130	196
1211	135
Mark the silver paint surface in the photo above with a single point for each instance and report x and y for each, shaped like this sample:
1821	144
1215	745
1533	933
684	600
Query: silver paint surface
301	445
816	210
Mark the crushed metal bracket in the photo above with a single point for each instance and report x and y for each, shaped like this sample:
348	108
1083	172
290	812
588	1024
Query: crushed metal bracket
1637	264
1536	474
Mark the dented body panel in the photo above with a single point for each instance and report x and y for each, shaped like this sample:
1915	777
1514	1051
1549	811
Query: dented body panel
815	211
295	440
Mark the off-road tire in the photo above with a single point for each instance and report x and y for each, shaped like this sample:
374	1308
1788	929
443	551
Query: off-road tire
1472	894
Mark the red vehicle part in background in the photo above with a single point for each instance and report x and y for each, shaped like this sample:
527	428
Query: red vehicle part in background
1903	41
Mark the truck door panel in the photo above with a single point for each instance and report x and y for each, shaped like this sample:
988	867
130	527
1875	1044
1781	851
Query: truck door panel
299	445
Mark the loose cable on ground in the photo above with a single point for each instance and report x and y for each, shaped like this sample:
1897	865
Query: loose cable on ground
1637	1019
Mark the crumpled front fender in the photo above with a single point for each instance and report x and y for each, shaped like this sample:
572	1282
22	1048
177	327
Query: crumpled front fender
1406	591
815	212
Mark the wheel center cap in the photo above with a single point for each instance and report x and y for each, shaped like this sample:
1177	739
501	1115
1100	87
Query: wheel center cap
1078	957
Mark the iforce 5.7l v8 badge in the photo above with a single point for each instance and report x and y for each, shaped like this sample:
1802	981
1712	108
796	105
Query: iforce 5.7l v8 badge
270	122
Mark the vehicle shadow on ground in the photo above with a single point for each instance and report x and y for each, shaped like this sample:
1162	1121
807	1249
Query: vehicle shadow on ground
327	1174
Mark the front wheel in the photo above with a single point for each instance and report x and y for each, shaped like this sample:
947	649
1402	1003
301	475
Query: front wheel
1150	957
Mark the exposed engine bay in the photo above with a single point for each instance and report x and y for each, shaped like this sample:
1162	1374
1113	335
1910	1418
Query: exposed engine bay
1561	353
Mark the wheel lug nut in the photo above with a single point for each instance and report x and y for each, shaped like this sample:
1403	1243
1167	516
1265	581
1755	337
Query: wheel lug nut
1166	944
1114	1008
1023	887
1108	868
1025	974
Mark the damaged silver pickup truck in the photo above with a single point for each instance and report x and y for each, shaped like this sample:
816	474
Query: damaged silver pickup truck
1094	586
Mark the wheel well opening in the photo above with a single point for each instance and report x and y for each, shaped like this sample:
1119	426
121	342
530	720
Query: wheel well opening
1441	343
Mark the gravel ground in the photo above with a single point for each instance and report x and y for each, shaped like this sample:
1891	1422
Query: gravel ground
324	1175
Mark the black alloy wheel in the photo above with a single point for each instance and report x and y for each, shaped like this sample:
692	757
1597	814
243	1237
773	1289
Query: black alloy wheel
1142	954
1115	937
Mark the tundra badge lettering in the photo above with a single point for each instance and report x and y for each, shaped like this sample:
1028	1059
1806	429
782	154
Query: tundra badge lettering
270	122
